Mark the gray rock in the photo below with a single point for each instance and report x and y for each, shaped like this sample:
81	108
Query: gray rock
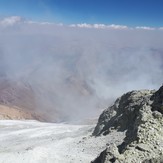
108	155
154	160
158	100
122	114
139	113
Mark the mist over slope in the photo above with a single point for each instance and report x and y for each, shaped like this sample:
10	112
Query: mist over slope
74	72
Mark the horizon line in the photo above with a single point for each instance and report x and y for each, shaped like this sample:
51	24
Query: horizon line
12	20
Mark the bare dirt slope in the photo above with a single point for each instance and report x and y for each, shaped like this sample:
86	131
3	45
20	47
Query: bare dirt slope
48	102
16	113
14	93
17	101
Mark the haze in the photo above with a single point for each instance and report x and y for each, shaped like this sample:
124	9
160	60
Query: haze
76	71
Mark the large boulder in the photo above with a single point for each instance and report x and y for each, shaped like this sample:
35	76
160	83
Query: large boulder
139	114
123	113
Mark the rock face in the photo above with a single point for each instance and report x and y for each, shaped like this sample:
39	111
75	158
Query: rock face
139	114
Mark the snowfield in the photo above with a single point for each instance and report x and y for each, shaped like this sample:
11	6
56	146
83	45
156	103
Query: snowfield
37	142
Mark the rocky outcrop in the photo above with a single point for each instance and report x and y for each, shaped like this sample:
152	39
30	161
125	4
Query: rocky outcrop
139	114
158	100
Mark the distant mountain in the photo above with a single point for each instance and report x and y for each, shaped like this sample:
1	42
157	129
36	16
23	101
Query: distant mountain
50	103
17	101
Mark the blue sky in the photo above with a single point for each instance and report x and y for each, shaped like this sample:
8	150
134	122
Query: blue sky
124	12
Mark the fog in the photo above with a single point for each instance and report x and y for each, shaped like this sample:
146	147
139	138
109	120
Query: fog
75	72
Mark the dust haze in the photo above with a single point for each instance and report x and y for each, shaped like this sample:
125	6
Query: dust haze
76	72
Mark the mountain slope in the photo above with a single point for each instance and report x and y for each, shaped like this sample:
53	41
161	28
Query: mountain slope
17	101
15	113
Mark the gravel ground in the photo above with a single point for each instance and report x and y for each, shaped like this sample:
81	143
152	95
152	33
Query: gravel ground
36	142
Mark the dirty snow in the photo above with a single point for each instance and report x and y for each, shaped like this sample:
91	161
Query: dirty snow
37	142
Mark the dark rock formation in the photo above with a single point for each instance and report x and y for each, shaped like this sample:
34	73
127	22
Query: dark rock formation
154	160
139	114
158	100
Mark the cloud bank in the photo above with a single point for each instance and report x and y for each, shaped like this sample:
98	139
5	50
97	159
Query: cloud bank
78	71
9	21
99	26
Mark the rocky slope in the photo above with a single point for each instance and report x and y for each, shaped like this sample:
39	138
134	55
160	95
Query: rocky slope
139	114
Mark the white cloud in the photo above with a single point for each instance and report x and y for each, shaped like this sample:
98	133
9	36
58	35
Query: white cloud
9	21
145	28
13	20
84	25
117	26
99	26
35	22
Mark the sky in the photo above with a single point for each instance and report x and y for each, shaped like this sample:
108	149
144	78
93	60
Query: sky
123	12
